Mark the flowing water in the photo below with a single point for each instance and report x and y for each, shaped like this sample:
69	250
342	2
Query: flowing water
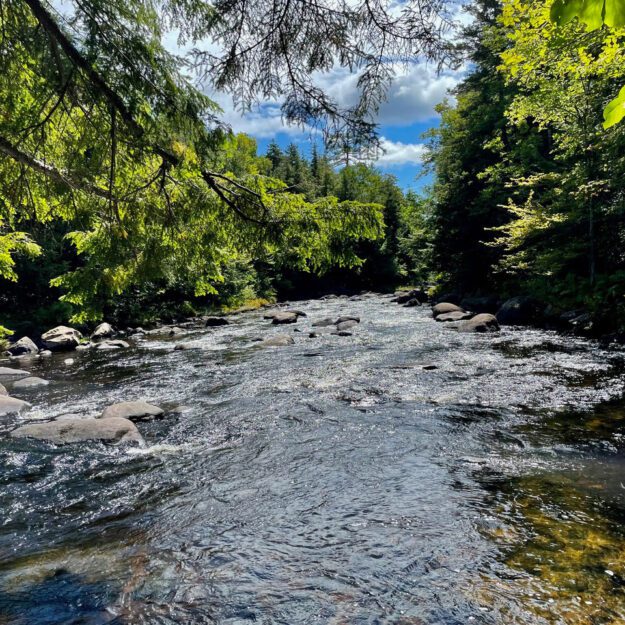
340	480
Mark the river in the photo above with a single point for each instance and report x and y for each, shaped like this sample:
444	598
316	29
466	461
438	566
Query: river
340	480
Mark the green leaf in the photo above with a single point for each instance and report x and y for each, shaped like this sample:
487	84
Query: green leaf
593	13
614	112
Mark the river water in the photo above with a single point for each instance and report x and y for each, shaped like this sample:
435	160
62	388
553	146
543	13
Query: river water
340	480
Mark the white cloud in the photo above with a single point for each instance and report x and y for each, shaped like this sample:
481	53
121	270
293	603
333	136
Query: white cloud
396	153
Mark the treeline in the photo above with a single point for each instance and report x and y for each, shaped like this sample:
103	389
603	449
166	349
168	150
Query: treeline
528	195
358	257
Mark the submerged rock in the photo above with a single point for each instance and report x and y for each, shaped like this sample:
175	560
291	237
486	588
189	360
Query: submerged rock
117	344
12	406
64	431
23	346
341	333
8	373
281	340
103	331
444	308
133	410
61	338
28	383
484	322
322	323
284	317
342	326
212	322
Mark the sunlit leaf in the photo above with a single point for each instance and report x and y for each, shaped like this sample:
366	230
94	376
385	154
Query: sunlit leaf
615	110
593	13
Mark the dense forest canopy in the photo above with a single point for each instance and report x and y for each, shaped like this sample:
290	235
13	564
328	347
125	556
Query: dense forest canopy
120	186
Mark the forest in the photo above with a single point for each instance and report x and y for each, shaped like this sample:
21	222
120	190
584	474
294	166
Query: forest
123	196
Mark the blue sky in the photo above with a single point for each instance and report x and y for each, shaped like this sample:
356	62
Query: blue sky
407	114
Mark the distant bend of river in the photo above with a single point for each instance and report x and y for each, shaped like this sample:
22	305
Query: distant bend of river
341	480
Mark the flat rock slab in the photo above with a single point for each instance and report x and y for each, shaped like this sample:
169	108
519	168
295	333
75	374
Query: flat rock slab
133	410
12	406
28	383
62	432
8	373
281	340
456	315
117	344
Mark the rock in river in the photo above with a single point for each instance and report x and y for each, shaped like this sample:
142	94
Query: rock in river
28	383
117	344
322	323
11	406
347	318
343	326
281	340
456	315
61	338
23	346
3	390
111	430
445	307
520	311
480	323
8	373
212	322
133	410
103	331
284	317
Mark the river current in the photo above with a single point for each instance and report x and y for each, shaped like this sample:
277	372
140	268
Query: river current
342	480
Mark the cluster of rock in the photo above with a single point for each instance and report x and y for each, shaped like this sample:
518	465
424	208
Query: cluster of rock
116	425
64	339
414	297
464	320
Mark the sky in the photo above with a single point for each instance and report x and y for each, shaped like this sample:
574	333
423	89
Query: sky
408	112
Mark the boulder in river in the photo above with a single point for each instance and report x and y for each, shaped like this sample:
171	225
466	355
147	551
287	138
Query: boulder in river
45	353
133	410
284	317
12	406
28	383
486	304
456	315
103	331
280	340
520	311
444	308
343	326
212	322
6	373
347	318
322	323
61	338
22	347
116	344
484	322
61	432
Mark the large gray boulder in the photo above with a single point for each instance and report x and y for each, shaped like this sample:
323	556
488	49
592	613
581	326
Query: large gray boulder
23	347
520	311
484	322
61	339
282	318
456	315
103	331
62	432
444	308
281	340
12	406
133	410
6	373
25	384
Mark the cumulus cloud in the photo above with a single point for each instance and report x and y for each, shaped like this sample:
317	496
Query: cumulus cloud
396	153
